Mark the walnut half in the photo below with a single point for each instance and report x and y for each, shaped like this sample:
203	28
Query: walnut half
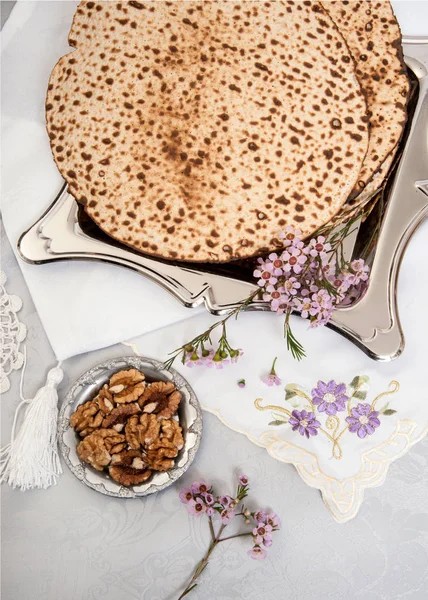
120	415
161	399
143	430
87	418
129	468
160	454
97	448
127	386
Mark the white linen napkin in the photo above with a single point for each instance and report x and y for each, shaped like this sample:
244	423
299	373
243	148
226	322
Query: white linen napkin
82	305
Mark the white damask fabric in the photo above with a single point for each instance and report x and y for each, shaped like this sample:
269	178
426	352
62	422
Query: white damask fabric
75	544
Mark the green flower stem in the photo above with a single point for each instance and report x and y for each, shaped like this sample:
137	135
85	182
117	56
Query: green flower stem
293	345
211	528
230	537
206	335
204	562
272	371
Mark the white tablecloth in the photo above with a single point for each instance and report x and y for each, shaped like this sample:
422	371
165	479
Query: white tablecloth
72	543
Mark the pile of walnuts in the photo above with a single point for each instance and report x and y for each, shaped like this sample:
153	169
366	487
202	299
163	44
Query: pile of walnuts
128	427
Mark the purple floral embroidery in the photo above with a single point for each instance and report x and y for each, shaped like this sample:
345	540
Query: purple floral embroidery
363	420
305	422
330	397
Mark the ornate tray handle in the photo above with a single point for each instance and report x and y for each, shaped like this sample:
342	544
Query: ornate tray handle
373	322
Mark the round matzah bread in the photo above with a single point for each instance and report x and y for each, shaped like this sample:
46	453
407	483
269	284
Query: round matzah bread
353	208
198	130
373	35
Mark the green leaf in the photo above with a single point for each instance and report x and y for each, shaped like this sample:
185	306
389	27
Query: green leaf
389	412
383	409
290	391
360	395
359	380
277	422
280	417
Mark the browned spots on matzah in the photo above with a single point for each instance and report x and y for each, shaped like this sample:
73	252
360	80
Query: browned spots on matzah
209	122
374	39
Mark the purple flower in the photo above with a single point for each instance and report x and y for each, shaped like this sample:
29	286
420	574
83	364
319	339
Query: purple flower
264	273
290	286
204	358
318	247
257	553
236	355
304	422
260	516
261	532
281	303
273	520
277	264
293	259
243	480
193	359
360	271
272	378
304	306
226	515
209	498
200	487
330	397
209	511
219	361
196	507
241	383
225	500
363	420
186	495
342	282
322	301
271	293
290	236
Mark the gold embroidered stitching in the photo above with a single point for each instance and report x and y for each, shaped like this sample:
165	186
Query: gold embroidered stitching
330	398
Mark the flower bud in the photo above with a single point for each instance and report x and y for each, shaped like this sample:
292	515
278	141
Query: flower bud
217	357
247	521
194	356
232	504
223	354
205	352
247	512
236	501
189	348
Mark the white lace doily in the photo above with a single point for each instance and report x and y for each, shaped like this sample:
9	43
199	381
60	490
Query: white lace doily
13	333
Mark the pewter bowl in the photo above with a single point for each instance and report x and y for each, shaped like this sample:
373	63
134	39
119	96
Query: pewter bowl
86	387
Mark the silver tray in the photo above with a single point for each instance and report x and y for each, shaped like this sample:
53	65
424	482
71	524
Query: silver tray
86	387
372	322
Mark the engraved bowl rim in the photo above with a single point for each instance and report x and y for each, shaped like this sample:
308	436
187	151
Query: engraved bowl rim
80	469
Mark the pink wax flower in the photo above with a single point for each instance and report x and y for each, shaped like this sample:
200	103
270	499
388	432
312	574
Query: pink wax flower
272	378
243	480
257	553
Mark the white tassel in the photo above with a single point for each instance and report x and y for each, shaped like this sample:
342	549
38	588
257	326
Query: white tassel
31	459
